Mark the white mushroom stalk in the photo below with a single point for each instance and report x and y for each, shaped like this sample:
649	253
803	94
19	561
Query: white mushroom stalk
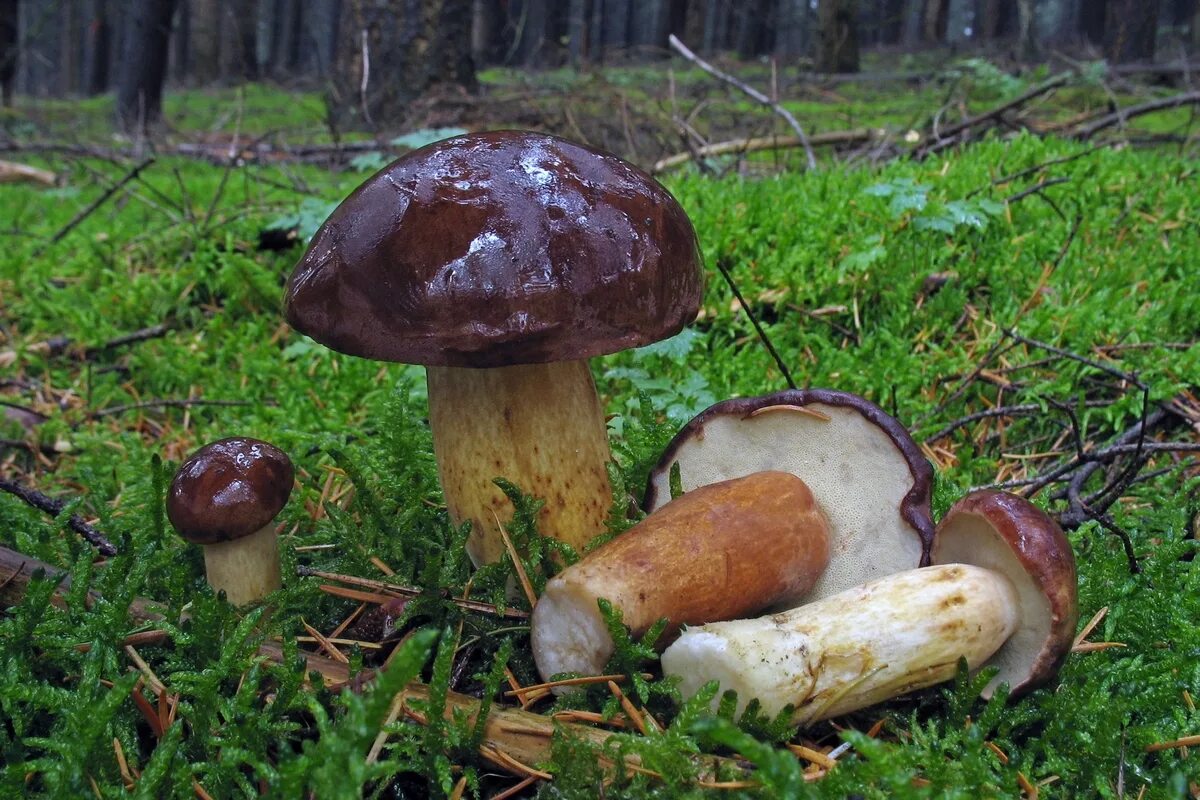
851	650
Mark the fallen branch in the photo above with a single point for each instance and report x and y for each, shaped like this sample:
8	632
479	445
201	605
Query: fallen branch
1121	116
760	143
49	505
948	137
60	345
12	172
683	50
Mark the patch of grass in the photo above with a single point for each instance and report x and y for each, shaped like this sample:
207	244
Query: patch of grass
835	263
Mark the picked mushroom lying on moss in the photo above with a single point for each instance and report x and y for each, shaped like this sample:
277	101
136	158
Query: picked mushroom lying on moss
865	471
719	552
502	261
225	497
1004	595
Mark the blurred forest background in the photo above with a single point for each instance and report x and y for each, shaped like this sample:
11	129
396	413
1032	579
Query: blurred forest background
373	59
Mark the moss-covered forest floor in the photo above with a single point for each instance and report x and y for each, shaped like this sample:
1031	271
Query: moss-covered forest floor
1022	302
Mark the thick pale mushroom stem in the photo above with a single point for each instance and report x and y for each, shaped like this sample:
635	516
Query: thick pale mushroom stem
246	569
856	648
538	425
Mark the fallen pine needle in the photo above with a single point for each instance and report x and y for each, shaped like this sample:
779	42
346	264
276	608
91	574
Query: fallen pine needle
995	748
516	788
459	788
123	765
1092	647
344	642
1090	626
199	790
507	762
518	565
326	645
815	756
630	710
395	590
618	721
1028	788
584	681
1186	741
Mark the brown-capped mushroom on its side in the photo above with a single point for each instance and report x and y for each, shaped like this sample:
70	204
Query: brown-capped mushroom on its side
724	550
225	497
1006	533
867	474
1003	593
502	261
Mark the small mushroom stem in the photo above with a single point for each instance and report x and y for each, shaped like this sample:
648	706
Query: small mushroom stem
246	569
856	648
538	425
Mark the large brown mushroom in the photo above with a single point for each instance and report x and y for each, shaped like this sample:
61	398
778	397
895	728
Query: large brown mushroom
502	261
868	476
225	497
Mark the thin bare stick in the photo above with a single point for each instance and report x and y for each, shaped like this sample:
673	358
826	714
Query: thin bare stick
758	96
762	335
755	144
95	204
43	502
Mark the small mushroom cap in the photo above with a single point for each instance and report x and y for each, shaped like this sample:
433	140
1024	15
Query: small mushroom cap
499	248
866	473
1006	533
229	489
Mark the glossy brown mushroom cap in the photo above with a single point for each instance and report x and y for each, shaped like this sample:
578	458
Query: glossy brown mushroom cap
499	248
229	489
1006	533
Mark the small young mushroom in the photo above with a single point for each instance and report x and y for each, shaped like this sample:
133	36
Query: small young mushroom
502	261
721	551
225	497
1007	599
864	469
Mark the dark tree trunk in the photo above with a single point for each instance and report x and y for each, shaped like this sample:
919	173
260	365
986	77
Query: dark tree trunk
143	65
8	49
287	33
933	21
1130	28
837	23
204	29
1028	46
96	48
577	32
531	32
69	39
891	23
486	18
717	14
429	48
1092	20
913	10
238	40
792	30
616	25
650	24
750	21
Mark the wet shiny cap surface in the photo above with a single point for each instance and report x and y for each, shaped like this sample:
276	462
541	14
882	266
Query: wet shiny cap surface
229	489
499	248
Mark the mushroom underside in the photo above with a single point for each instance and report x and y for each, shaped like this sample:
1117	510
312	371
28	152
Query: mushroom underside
975	541
859	476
